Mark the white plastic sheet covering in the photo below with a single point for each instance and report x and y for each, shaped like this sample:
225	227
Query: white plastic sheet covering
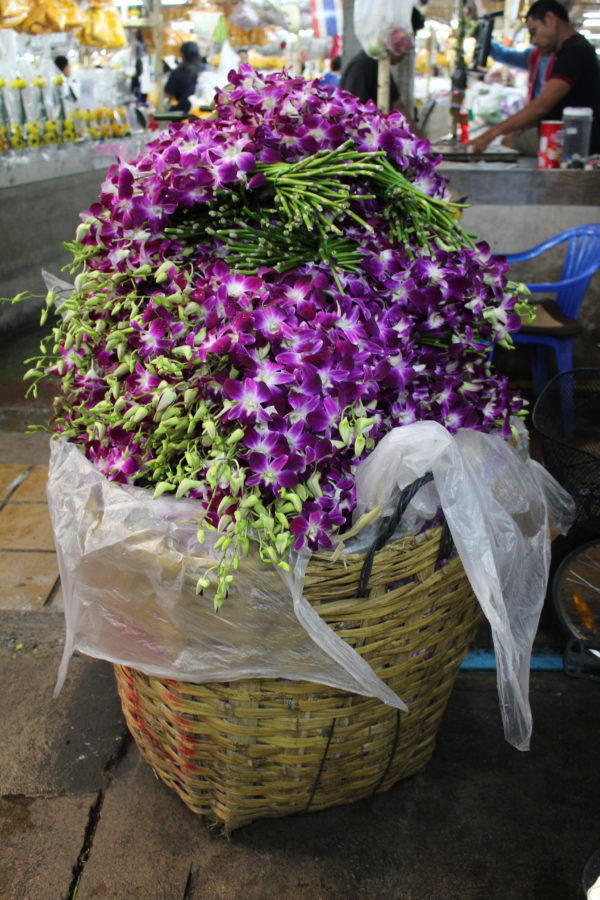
499	505
129	566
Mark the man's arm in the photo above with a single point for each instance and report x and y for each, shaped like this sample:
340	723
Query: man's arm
552	93
509	56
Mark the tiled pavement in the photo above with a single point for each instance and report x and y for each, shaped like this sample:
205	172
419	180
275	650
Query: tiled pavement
28	569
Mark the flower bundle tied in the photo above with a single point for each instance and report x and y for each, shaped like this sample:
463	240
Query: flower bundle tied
259	298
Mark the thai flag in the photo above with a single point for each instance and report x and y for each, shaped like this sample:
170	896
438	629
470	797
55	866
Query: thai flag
327	17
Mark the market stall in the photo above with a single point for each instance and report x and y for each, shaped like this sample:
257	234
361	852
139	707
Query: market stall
83	84
513	205
59	132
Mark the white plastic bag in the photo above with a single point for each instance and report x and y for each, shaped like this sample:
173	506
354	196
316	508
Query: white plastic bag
244	16
498	504
62	289
384	26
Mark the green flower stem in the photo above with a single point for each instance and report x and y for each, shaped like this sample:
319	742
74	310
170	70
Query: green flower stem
22	111
4	117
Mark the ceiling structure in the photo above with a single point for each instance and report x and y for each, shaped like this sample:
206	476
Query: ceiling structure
445	10
582	12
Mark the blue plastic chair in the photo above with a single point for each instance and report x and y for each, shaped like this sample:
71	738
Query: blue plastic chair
582	260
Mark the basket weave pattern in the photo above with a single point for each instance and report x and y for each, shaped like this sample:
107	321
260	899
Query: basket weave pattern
244	750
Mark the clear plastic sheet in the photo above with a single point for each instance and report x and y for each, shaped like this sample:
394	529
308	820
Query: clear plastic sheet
129	566
62	289
499	505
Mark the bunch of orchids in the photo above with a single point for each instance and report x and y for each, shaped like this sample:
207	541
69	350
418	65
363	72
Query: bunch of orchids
259	298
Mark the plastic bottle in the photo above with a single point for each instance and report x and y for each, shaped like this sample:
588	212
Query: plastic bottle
578	129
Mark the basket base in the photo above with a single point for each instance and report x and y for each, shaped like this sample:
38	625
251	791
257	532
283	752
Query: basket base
245	750
328	760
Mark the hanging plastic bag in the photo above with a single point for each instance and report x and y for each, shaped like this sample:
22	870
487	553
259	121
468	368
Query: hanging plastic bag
384	27
52	16
103	27
499	505
244	16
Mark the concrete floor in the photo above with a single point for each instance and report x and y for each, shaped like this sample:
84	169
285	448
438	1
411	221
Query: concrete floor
82	815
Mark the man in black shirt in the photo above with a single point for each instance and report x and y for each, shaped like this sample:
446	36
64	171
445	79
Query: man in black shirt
573	81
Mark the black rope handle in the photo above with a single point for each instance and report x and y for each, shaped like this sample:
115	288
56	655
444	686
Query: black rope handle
390	526
446	542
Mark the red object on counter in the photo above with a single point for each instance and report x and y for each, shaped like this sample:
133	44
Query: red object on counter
463	121
551	144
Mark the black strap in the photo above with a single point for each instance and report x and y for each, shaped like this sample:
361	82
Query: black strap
390	525
320	772
383	776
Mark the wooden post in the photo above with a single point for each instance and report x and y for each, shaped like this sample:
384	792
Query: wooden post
383	84
157	25
431	45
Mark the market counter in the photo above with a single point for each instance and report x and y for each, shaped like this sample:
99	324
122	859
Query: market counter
514	206
41	196
522	184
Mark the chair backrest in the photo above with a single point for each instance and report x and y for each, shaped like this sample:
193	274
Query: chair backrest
583	256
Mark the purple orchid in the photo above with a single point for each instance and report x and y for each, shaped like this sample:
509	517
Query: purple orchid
221	330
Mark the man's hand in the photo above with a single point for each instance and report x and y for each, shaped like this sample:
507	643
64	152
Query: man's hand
552	93
484	140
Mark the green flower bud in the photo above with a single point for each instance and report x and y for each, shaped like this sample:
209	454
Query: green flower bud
167	397
161	488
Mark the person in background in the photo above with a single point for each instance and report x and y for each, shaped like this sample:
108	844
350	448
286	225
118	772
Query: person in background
332	78
538	65
140	80
69	93
242	52
360	75
360	78
181	82
574	79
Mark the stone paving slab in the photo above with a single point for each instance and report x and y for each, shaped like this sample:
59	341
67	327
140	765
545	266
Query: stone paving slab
28	566
10	475
24	449
145	841
27	579
40	841
56	746
25	526
32	489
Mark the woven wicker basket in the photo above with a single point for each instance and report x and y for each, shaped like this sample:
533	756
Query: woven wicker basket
244	750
